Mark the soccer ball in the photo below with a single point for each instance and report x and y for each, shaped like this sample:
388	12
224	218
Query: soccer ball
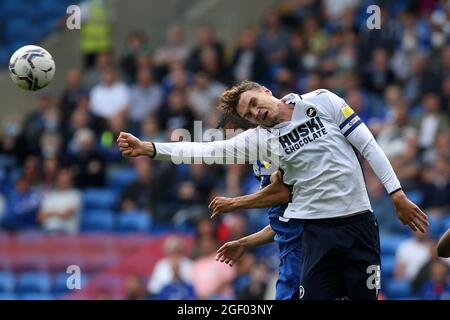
31	68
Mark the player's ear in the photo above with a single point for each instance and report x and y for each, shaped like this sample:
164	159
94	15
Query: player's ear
266	90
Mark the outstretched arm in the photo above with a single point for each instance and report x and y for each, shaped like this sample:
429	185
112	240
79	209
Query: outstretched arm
232	251
245	147
275	193
443	247
408	213
357	133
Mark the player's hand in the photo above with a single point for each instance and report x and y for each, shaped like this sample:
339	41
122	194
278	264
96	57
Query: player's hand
408	213
221	205
129	145
230	252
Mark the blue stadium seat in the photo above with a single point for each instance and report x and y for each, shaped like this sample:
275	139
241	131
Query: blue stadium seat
7	296
34	281
51	8
389	243
99	198
12	8
102	221
49	25
7	281
436	226
446	223
16	29
37	296
134	221
387	267
119	179
398	289
159	228
95	212
60	283
4	56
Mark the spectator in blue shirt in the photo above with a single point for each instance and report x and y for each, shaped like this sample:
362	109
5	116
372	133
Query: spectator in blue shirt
438	286
177	289
22	206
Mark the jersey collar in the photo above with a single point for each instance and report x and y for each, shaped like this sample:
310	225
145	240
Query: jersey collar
291	98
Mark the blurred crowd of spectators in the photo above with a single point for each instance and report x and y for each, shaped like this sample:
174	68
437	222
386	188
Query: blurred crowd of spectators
396	78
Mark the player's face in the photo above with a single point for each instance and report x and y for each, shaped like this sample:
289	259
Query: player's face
259	107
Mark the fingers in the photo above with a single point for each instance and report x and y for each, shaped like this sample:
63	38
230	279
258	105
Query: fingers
412	226
422	217
419	220
123	145
420	225
212	203
220	257
416	219
415	226
127	152
222	248
123	135
224	259
214	207
215	213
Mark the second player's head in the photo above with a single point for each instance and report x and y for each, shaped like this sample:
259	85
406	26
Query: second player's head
252	102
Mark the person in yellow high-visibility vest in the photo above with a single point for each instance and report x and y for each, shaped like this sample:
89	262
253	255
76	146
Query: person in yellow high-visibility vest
96	30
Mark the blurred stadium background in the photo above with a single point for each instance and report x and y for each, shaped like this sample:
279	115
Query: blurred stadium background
140	229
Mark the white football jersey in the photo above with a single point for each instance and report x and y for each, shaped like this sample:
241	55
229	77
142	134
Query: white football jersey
318	160
315	152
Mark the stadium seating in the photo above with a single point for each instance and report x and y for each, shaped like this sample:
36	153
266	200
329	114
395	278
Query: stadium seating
96	261
111	244
99	198
390	243
36	296
387	267
398	289
101	221
446	223
34	281
436	226
138	221
110	283
118	179
7	296
29	260
6	262
59	261
21	23
59	287
7	281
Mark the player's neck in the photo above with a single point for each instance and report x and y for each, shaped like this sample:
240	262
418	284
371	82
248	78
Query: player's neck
285	111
